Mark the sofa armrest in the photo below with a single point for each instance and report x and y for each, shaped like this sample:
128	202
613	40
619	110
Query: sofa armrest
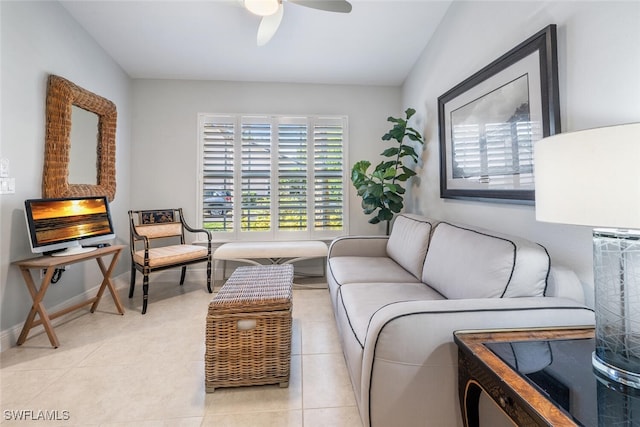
564	283
370	246
409	365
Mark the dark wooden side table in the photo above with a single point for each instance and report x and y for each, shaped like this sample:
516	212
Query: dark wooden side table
481	369
50	263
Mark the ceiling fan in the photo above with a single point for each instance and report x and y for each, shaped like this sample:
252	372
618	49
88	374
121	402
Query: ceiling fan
273	10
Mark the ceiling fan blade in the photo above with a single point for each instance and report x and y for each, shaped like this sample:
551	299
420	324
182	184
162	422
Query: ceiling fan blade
342	6
269	25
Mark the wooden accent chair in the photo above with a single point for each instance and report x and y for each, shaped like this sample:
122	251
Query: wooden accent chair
158	243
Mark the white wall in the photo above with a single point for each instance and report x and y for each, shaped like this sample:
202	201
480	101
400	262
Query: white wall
164	153
599	58
38	39
599	65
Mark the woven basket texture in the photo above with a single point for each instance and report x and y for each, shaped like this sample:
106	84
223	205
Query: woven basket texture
61	96
248	331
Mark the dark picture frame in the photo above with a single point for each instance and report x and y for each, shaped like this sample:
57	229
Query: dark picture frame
489	123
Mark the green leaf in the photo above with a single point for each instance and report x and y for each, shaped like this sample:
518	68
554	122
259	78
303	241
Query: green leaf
374	220
408	171
395	207
397	133
390	152
410	112
376	190
392	187
359	171
379	173
370	200
388	164
393	197
409	151
414	135
390	173
385	215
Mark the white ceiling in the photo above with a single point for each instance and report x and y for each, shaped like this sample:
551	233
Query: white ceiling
377	43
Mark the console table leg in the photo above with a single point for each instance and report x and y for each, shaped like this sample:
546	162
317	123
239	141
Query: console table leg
468	392
106	283
471	405
38	307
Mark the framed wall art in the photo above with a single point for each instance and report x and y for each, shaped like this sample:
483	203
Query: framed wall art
489	123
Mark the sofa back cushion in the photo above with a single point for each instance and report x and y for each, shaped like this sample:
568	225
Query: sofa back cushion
464	262
408	242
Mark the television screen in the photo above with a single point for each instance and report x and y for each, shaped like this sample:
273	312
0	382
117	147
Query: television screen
68	226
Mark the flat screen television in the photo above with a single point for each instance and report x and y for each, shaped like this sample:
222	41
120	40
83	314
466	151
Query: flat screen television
68	226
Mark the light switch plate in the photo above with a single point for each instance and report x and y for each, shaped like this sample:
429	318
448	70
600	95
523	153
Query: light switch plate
4	168
7	185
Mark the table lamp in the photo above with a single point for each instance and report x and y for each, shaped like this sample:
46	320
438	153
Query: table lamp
592	178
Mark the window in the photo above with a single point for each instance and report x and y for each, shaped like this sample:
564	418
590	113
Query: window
272	177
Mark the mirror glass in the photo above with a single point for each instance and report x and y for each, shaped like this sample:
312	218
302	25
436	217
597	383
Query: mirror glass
84	141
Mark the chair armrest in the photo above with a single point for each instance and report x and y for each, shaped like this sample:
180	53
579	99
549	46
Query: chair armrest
192	229
135	237
198	230
359	246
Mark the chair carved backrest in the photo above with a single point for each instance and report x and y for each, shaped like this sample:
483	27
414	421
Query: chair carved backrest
156	224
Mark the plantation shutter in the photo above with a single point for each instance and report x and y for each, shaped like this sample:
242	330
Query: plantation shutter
255	175
328	188
218	136
273	177
292	174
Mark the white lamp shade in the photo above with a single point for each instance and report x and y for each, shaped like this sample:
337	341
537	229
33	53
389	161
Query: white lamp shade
589	177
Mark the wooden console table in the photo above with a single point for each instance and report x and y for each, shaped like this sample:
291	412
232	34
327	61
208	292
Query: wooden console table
50	263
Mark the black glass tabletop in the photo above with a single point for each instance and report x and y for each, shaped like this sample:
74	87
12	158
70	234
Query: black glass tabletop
562	371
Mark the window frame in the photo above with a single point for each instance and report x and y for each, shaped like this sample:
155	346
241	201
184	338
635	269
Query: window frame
312	123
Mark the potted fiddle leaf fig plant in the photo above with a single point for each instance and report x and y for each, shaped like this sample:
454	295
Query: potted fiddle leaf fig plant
381	189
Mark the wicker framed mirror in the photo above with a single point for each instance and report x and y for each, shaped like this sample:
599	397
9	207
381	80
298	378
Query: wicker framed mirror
62	96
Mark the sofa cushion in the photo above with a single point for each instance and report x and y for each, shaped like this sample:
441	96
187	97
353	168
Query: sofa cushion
408	242
360	302
465	262
355	269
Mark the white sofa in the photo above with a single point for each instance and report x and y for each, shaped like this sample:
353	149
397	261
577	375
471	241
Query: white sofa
397	301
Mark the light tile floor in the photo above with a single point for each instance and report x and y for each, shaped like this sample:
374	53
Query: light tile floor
148	371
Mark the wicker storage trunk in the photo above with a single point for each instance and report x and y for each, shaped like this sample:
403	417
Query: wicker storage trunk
248	336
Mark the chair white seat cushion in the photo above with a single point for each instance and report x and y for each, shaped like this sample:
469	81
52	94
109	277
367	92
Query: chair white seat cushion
174	254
